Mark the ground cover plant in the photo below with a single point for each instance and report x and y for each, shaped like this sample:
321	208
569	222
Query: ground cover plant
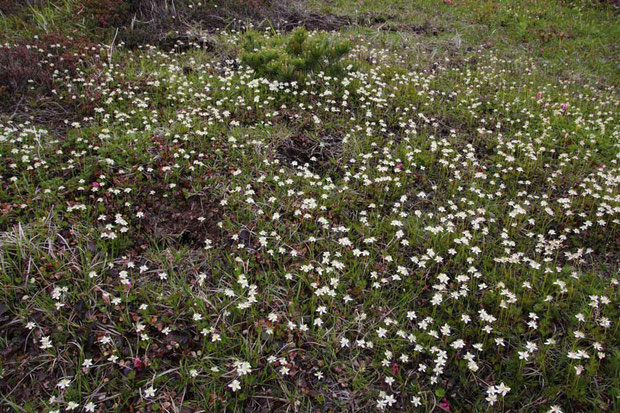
418	210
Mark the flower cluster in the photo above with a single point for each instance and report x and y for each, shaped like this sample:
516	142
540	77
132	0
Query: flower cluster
389	238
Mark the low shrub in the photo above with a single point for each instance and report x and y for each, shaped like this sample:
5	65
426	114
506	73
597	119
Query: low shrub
107	13
8	7
29	70
294	56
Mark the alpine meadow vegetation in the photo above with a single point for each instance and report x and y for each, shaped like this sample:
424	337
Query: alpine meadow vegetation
309	206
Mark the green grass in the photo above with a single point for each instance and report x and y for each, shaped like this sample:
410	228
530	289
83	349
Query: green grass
576	38
435	227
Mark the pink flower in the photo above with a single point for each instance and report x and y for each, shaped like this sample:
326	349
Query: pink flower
138	364
564	106
96	184
444	404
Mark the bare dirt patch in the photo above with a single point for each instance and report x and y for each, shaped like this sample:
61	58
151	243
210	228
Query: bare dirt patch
187	222
154	22
317	153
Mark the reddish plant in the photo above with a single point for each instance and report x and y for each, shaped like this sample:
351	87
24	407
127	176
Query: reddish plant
107	13
31	68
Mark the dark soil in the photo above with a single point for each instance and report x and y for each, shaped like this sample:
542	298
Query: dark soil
318	154
179	221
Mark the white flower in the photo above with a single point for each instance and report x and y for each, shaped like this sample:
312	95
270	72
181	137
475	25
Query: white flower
345	242
150	392
46	343
235	385
243	368
503	389
64	383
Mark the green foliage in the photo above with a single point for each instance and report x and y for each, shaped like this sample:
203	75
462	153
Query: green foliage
168	229
295	56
